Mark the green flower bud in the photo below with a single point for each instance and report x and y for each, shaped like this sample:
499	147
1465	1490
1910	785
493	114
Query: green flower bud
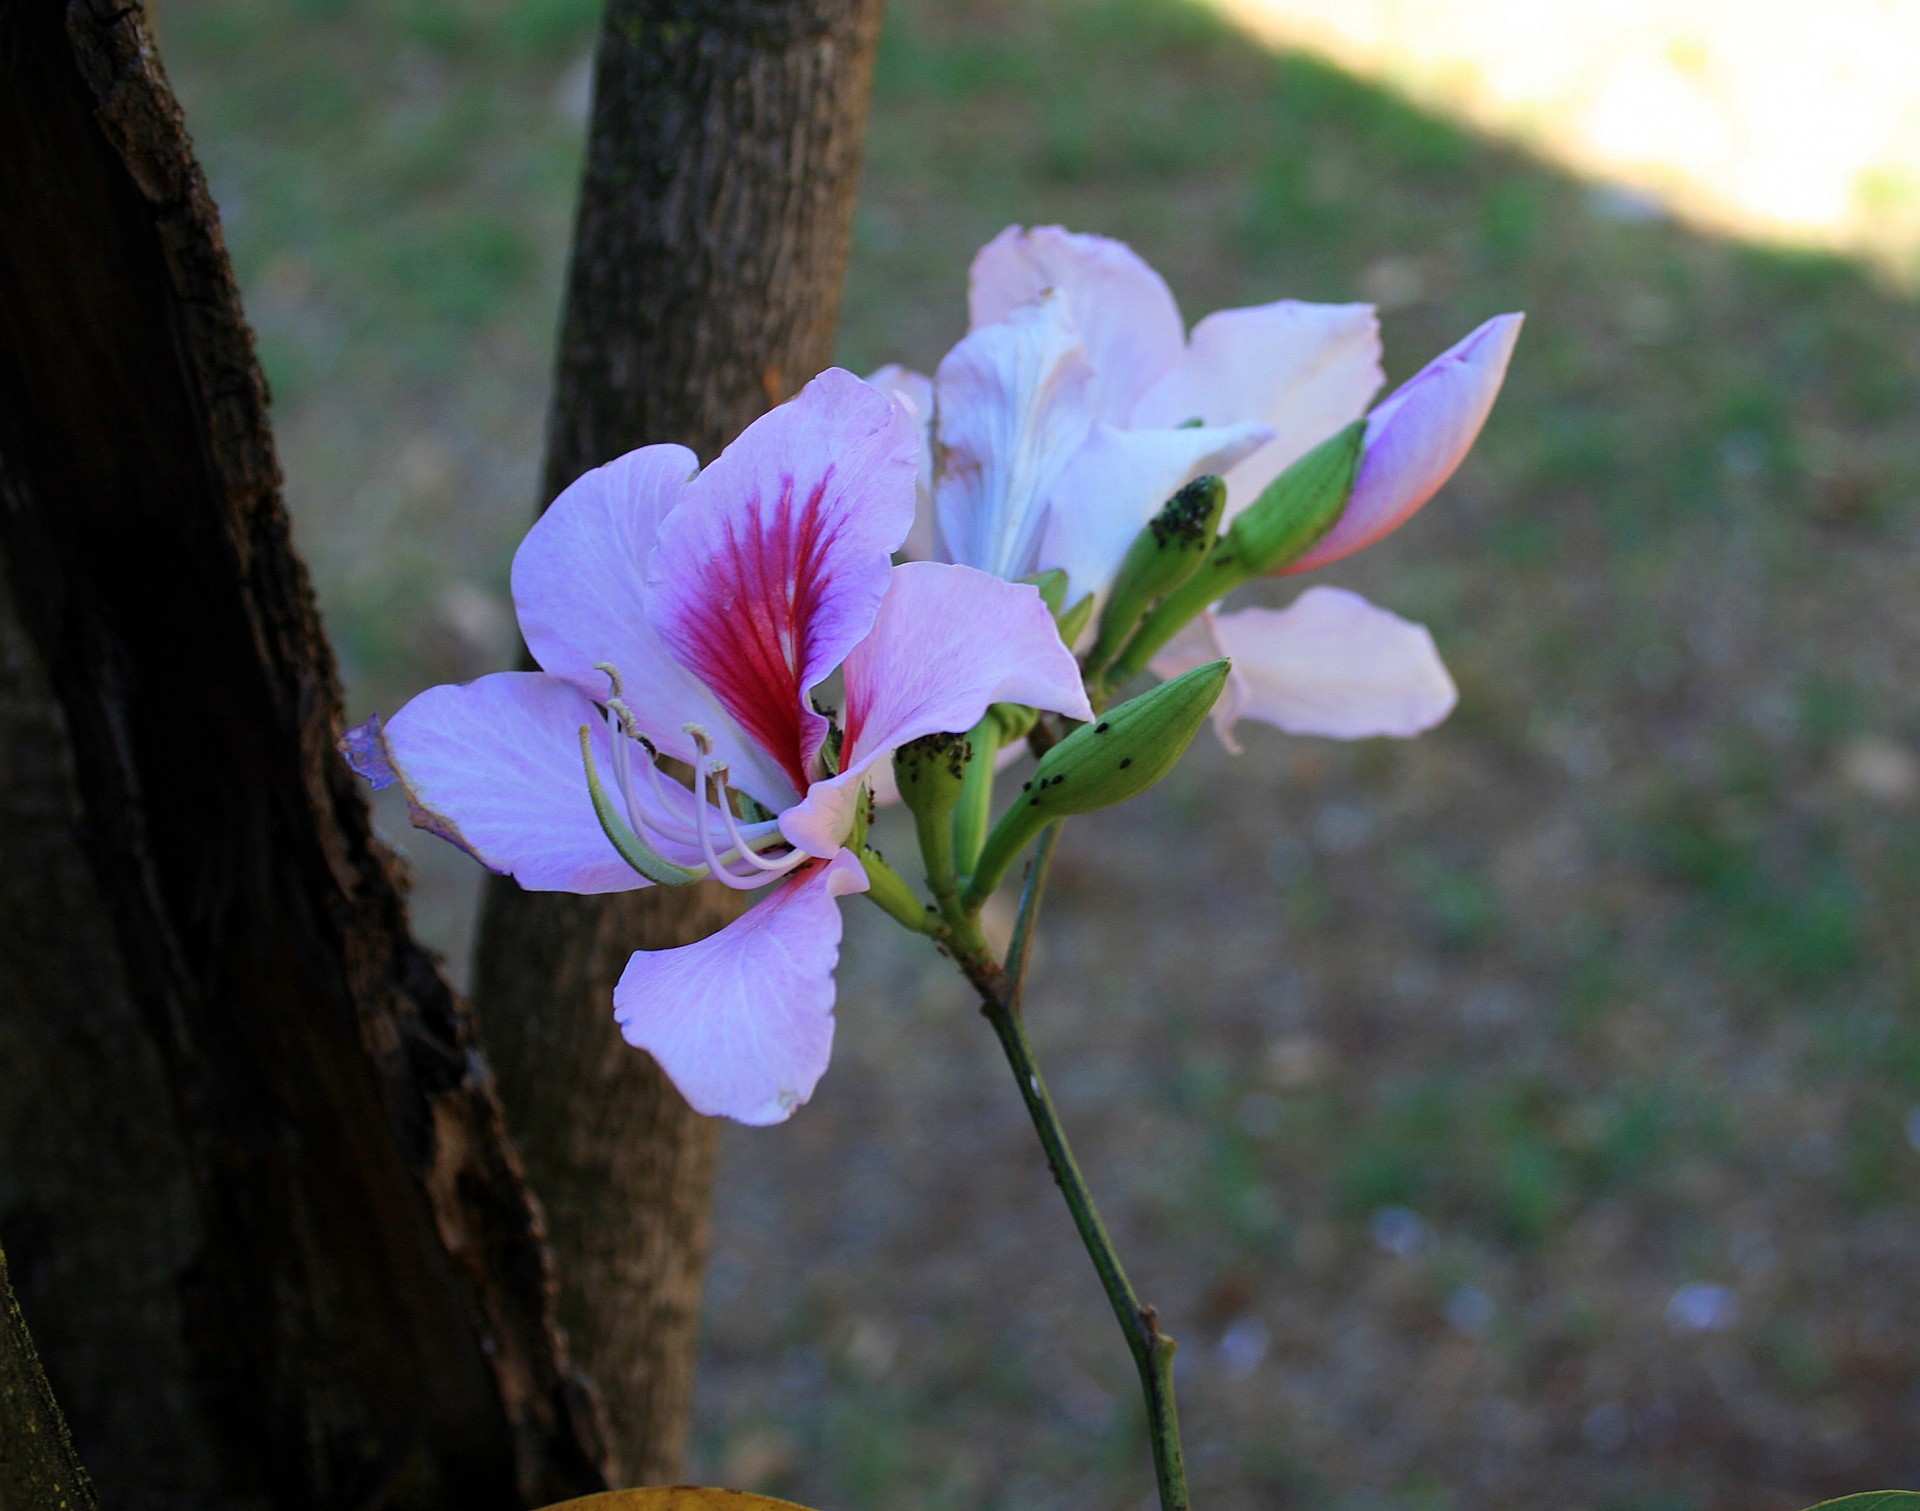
930	772
1053	589
1299	506
1163	555
1100	764
1014	721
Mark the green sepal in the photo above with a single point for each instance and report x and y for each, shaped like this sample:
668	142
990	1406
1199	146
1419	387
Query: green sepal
1074	620
1299	506
1053	589
633	850
1100	764
1169	549
1013	721
976	796
930	772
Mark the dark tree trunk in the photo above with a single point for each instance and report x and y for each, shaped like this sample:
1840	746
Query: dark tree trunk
261	1208
707	263
39	1471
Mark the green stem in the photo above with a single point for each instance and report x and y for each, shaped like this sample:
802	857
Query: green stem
1152	1349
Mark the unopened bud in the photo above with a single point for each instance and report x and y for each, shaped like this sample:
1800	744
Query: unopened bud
1013	721
1118	756
930	772
1163	555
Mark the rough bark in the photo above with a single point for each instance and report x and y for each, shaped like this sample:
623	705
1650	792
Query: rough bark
39	1471
255	1180
708	258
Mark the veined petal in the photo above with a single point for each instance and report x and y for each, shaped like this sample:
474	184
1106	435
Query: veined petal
579	588
775	562
1420	433
1117	482
1305	369
1012	409
494	767
913	392
1123	310
949	641
742	1021
1330	663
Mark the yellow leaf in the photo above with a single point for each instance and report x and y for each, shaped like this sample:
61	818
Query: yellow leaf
676	1498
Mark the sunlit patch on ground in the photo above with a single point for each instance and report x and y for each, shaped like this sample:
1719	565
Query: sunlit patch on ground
1782	118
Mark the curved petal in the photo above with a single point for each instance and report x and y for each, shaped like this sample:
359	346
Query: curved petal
579	588
1117	482
494	767
1330	663
1012	410
913	392
1305	369
1122	309
774	564
949	641
1417	437
742	1021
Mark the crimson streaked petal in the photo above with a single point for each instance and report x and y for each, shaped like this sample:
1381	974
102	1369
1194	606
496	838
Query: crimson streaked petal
742	1021
774	564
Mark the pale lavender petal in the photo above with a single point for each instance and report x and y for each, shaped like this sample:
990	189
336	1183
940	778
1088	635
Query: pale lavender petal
774	564
579	588
1307	370
494	766
1118	481
1123	310
1328	664
1012	410
365	751
949	641
913	392
1417	437
742	1021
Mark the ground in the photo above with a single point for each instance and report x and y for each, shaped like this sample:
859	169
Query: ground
1528	1114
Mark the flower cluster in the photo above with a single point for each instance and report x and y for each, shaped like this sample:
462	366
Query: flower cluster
686	620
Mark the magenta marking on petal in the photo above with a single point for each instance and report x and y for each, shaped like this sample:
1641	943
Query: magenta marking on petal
364	748
751	632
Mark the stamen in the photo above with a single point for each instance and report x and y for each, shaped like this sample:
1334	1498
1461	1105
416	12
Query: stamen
712	857
747	853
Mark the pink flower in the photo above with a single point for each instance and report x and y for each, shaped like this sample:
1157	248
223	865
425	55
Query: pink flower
691	614
1078	404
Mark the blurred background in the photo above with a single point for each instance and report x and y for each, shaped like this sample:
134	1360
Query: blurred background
1529	1114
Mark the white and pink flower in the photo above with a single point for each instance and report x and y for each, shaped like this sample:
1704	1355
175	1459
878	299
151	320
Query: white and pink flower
1078	403
691	614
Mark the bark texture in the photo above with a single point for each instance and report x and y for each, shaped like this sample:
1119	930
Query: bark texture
707	264
255	1181
39	1471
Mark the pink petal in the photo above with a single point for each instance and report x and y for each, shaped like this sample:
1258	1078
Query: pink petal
1117	482
1012	410
949	641
494	767
1304	369
1122	309
775	562
1328	664
742	1021
1417	437
579	588
913	392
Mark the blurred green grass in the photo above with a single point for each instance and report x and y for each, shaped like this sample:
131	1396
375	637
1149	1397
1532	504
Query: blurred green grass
1612	981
